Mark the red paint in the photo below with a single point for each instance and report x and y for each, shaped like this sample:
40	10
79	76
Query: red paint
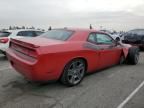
42	59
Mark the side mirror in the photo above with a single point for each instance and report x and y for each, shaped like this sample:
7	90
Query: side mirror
117	41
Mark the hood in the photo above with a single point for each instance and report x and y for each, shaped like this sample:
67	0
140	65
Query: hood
133	36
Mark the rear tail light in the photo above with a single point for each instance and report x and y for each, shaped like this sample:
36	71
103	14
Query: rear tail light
32	53
4	40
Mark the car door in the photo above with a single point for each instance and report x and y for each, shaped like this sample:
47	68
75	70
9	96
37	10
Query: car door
94	56
109	52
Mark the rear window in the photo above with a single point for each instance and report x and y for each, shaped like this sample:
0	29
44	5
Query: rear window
26	33
38	33
4	34
58	34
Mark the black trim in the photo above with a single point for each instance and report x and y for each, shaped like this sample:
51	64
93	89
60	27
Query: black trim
2	52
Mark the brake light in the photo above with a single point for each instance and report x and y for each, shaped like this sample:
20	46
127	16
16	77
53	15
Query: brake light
4	40
32	53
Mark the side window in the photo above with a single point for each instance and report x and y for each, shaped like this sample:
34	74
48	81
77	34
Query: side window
92	38
103	39
19	33
26	33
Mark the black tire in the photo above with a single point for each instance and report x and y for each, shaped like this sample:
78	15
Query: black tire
73	71
142	47
133	56
4	53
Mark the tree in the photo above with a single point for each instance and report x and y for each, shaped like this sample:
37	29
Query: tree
50	28
23	27
32	27
10	28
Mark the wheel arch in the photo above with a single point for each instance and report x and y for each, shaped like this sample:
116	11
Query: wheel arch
79	57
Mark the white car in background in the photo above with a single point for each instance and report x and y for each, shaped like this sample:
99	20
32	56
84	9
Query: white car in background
6	35
115	36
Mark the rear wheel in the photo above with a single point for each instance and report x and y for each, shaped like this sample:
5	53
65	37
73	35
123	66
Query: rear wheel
74	72
133	56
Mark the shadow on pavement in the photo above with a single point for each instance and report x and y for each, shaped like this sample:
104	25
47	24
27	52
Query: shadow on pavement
26	86
3	58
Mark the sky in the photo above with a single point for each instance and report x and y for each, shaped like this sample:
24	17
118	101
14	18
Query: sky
105	14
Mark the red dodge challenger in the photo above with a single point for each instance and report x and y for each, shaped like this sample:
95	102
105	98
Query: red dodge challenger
68	54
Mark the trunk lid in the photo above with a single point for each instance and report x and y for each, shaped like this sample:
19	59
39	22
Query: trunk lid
37	41
29	46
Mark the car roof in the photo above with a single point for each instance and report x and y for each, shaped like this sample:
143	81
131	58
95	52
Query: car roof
81	33
81	30
18	30
137	29
14	32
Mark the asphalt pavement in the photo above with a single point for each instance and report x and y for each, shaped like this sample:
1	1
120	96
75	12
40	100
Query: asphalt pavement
115	87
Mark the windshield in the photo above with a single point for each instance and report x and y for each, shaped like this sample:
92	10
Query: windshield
137	31
4	34
58	34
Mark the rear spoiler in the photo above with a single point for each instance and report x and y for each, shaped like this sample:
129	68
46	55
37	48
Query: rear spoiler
24	44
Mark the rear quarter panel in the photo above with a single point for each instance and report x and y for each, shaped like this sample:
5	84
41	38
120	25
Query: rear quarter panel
55	58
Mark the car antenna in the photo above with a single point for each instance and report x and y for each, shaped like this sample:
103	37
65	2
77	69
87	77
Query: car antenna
90	26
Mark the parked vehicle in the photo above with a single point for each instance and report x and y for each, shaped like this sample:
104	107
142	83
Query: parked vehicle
135	37
68	54
6	35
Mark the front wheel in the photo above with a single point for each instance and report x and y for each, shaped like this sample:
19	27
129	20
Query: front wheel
133	56
74	72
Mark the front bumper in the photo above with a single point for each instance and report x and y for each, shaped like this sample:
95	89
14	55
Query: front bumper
20	65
